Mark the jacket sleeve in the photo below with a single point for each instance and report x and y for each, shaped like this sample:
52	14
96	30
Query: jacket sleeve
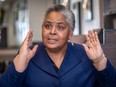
11	78
107	77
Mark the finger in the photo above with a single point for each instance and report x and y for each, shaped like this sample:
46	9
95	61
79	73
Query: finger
90	34
35	48
89	42
90	45
28	38
92	37
96	36
87	37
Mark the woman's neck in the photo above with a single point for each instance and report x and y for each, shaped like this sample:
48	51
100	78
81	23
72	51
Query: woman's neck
57	56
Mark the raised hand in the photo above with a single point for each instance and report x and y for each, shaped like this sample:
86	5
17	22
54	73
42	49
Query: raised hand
25	53
94	50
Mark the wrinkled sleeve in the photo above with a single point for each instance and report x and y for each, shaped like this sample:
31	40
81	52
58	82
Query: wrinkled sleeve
107	77
11	78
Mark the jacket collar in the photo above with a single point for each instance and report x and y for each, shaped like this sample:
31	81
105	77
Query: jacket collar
42	60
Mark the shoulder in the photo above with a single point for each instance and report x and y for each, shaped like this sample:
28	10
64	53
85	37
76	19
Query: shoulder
77	50
76	47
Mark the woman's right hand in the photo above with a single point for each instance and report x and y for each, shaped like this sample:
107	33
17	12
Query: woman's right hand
25	53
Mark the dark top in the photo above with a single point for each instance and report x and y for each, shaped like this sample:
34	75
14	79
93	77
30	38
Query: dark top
76	71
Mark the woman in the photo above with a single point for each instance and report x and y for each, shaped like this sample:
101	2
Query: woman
57	62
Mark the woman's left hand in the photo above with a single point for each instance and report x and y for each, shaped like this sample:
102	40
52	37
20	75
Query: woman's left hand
93	47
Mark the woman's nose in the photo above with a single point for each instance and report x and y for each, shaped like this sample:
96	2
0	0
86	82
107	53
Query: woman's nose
53	30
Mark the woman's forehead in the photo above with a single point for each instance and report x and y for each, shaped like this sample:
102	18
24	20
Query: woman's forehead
57	22
55	16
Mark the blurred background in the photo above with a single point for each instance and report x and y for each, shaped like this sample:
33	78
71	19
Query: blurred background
18	16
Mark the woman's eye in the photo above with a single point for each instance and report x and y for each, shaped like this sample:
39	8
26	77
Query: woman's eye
60	27
48	26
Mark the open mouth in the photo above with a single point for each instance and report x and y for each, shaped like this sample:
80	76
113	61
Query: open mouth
52	40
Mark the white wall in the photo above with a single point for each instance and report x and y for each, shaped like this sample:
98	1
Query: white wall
36	10
11	39
95	23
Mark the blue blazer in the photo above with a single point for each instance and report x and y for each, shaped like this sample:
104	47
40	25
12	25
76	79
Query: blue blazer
76	71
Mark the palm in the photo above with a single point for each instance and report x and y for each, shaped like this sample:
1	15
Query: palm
93	47
25	51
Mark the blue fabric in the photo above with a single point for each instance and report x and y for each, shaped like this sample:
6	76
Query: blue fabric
76	71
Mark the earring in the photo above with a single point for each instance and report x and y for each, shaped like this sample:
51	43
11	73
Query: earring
72	43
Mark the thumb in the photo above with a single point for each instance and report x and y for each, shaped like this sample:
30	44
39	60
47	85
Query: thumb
85	47
33	51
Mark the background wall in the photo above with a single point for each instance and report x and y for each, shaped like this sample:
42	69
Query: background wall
11	39
36	10
95	23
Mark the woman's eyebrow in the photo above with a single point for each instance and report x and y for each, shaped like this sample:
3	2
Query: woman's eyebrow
55	22
47	22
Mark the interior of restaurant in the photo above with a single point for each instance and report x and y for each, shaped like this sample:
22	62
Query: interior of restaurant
18	16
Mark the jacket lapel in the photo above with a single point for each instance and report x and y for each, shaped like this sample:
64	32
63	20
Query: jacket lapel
72	59
42	60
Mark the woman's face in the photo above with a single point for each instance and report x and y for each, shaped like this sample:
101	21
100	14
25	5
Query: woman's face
55	32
